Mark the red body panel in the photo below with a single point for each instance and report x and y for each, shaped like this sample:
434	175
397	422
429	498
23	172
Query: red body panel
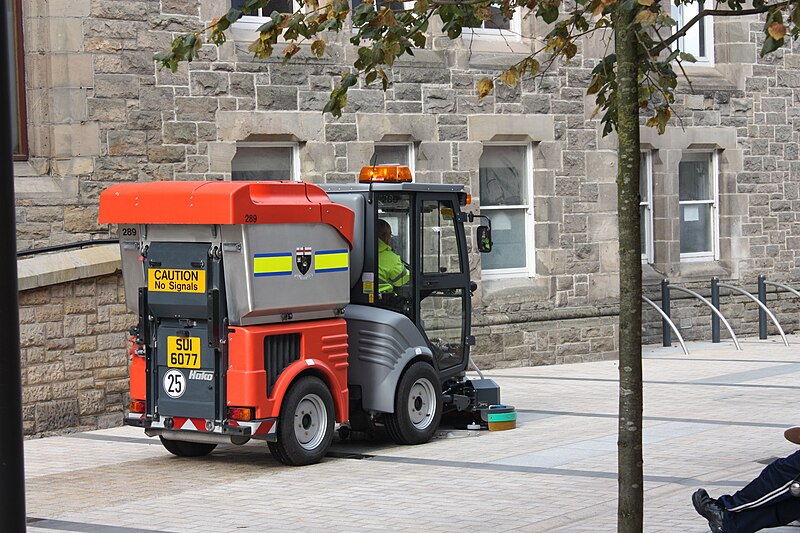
222	202
138	373
323	350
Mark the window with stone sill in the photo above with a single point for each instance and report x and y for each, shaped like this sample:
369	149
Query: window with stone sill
252	22
260	161
646	205
496	28
506	197
699	40
698	199
16	80
393	154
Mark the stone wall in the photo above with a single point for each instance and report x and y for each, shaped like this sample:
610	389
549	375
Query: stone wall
74	355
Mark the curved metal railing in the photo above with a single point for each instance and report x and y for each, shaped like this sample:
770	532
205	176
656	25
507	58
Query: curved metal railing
713	309
669	321
761	305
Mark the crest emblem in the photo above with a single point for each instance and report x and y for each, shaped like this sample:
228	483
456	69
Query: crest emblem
302	258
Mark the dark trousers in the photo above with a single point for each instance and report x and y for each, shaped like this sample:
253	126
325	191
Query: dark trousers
765	501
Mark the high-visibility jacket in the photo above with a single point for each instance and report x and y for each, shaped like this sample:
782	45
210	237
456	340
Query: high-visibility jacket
391	270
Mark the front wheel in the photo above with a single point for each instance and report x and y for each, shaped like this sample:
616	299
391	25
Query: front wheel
306	423
417	406
187	449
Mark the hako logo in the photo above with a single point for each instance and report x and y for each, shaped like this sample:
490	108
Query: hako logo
201	375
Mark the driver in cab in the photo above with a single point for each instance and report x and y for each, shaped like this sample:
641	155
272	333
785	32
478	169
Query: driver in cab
392	273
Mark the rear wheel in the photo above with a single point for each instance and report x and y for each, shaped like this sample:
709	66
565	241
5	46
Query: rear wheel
187	449
306	423
417	406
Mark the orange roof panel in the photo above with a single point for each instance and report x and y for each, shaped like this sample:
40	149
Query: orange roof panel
222	202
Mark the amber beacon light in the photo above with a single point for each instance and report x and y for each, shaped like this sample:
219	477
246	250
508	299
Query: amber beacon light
385	173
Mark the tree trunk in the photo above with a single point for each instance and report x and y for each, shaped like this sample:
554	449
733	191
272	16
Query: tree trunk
630	510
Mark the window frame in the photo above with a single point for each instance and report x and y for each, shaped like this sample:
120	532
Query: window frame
410	154
713	254
406	5
253	22
679	13
295	158
16	36
513	33
646	224
529	270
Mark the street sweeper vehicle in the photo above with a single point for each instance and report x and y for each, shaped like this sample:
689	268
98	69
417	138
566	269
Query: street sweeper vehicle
265	312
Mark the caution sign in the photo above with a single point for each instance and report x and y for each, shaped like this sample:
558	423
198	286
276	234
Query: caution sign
176	280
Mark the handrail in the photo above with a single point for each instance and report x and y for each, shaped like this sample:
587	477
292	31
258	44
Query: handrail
713	309
67	246
669	321
762	306
782	286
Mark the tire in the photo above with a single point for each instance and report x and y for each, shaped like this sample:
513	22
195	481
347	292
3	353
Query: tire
187	449
417	406
306	423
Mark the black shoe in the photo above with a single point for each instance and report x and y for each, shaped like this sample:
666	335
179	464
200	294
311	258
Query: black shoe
710	509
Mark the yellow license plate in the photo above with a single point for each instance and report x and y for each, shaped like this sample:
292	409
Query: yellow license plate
176	280
183	352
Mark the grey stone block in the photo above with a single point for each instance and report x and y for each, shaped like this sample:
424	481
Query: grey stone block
340	132
437	100
205	83
116	86
276	98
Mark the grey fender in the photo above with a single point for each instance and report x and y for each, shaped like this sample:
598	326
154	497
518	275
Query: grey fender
382	343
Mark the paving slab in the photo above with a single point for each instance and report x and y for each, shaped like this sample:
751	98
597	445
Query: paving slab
712	419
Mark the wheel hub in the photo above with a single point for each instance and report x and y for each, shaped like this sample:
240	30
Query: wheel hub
422	403
310	421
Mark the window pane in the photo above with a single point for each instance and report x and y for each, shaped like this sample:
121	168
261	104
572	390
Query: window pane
262	163
694	177
390	154
695	228
394	276
442	317
281	6
508	235
494	23
439	243
643	227
502	175
497	22
643	173
394	5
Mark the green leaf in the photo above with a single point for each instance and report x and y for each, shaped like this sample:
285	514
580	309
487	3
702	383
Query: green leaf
673	56
770	45
372	76
348	80
688	57
549	14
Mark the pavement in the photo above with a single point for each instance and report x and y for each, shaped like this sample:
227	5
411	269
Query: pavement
712	419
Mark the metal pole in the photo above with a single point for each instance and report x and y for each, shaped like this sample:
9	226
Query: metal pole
666	332
12	474
762	315
715	303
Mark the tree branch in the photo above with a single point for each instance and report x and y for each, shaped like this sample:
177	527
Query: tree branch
712	12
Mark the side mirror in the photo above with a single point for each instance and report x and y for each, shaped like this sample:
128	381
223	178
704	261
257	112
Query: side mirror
484	235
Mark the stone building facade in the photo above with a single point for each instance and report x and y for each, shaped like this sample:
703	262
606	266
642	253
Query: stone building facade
722	186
